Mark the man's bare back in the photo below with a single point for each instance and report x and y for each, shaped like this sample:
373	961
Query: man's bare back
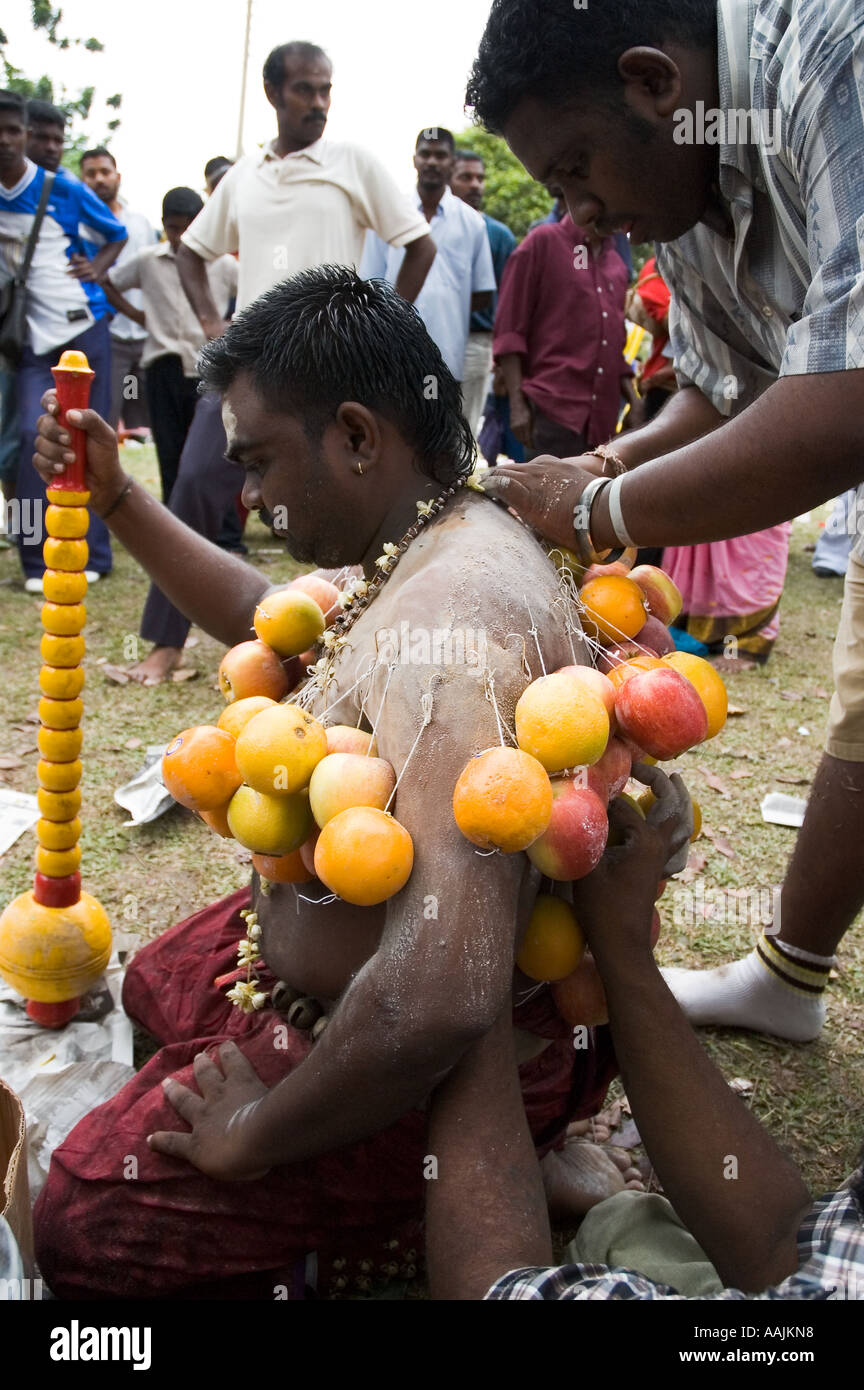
475	573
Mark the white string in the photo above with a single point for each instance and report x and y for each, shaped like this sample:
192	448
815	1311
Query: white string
489	684
320	902
426	702
533	631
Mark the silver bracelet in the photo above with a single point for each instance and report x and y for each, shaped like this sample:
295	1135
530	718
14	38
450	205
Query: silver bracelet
582	519
616	517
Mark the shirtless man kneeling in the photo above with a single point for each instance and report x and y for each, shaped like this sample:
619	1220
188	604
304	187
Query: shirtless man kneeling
343	418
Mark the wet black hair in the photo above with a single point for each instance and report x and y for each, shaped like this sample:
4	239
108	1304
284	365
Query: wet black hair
325	337
551	49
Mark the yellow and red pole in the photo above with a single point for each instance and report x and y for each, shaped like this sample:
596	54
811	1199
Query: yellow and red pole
56	940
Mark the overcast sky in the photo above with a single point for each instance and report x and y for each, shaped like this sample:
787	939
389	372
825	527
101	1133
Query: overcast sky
398	66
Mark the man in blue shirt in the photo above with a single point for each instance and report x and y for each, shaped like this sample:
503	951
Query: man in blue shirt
469	184
65	308
462	279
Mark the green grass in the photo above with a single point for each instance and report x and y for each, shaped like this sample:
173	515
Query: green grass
810	1097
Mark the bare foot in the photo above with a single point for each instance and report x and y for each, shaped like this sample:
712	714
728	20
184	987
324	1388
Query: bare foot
731	665
581	1174
156	667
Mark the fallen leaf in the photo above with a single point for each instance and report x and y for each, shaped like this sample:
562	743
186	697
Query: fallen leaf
101	660
716	783
25	749
789	695
186	674
191	642
735	709
7	763
720	843
784	743
133	743
792	781
32	718
741	1085
820	693
739	773
115	674
803	731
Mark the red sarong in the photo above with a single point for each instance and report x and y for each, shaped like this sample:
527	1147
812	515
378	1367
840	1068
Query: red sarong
117	1220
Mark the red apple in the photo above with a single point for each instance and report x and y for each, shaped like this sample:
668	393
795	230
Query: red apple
655	636
608	777
662	597
573	842
581	998
661	715
596	681
307	850
613	657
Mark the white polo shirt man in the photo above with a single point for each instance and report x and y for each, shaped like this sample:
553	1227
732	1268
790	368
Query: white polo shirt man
286	214
463	267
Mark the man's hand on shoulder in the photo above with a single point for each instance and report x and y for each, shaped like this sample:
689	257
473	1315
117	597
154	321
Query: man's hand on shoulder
219	1141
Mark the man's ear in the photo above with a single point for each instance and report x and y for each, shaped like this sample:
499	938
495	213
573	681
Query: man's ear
361	436
272	94
653	80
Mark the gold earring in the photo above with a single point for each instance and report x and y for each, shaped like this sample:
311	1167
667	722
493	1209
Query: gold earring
360	469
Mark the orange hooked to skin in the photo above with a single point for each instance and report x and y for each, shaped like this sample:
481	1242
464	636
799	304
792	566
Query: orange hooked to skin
364	856
562	723
503	800
282	868
553	944
236	716
272	825
614	608
279	749
709	686
289	621
199	768
325	594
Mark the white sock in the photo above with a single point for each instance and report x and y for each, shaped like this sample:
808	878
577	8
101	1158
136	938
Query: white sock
777	989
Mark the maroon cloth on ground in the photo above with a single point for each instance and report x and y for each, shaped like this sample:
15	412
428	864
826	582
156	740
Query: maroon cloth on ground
116	1220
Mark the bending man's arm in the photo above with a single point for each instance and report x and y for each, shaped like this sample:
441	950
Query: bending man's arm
797	446
193	277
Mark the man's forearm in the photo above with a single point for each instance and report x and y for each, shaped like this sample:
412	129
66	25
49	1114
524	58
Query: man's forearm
415	266
732	1186
799	445
105	257
486	1209
688	416
121	304
193	277
214	590
375	1062
511	370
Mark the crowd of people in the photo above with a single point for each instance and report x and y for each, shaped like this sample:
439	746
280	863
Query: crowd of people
285	295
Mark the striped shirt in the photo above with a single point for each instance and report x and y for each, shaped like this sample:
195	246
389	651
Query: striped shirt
784	294
830	1251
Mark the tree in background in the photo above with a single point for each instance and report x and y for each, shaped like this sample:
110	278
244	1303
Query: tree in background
76	108
512	196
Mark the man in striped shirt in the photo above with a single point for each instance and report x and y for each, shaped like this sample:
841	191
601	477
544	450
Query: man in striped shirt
731	132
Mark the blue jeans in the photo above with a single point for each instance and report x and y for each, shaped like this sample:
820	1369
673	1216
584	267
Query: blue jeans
34	379
9	432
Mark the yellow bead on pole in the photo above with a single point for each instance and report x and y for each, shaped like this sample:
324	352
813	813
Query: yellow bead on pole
55	941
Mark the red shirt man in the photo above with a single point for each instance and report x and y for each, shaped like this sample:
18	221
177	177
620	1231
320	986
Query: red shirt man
559	339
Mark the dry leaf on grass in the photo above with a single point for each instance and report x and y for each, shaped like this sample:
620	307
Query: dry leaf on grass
742	772
8	762
790	695
133	743
733	710
716	783
720	843
741	1085
792	781
820	693
184	674
115	674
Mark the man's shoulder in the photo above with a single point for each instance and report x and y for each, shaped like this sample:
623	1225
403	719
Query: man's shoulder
499	229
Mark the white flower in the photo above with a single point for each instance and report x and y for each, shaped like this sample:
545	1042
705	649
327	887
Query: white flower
424	508
246	996
247	953
391	549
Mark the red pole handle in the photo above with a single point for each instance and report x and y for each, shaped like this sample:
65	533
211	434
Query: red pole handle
73	377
